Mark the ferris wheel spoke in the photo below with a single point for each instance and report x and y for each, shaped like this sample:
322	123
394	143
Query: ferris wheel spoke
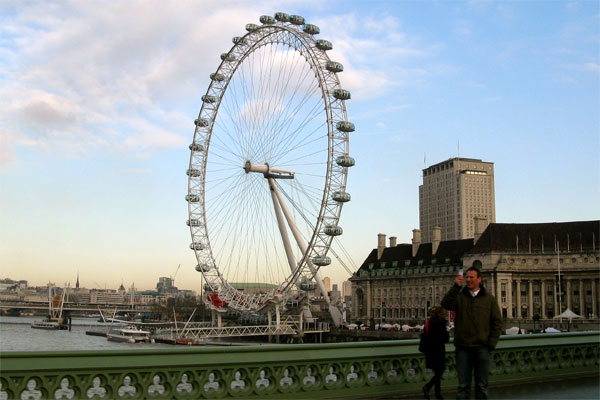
288	134
299	145
284	107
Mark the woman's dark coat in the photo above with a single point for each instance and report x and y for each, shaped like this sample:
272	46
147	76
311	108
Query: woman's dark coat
437	337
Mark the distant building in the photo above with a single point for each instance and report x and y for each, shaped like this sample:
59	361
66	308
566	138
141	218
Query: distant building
9	284
454	193
327	283
253	287
398	283
106	296
166	286
519	263
346	288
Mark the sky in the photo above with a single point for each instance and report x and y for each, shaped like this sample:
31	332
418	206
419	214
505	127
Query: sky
98	99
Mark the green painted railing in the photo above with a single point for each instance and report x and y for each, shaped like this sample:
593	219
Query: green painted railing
344	370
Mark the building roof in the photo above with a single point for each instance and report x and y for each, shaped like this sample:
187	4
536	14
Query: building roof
459	159
449	252
574	236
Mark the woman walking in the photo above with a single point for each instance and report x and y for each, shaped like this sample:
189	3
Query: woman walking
435	349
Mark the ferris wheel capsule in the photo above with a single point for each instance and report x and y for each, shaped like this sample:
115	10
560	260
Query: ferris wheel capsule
345	126
228	57
334	66
238	40
345	161
321	261
308	285
251	27
193	172
207	98
282	17
341	94
323	44
203	267
197	246
217	77
267	20
333	230
193	222
311	29
192	198
201	122
196	147
296	20
341	197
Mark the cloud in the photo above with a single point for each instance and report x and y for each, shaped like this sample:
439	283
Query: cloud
118	75
375	51
590	66
80	76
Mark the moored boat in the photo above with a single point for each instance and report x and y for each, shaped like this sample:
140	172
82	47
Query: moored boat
49	324
128	335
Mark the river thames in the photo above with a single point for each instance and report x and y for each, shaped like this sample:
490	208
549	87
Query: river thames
16	334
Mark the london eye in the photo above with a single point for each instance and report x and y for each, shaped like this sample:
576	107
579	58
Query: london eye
269	164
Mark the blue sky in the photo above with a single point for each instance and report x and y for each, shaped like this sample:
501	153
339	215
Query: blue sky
97	102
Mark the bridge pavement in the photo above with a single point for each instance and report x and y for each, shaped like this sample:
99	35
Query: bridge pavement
583	388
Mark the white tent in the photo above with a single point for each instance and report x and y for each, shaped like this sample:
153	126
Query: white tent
568	314
551	330
513	331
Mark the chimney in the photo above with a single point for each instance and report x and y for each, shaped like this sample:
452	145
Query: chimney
393	241
480	224
380	244
437	238
416	241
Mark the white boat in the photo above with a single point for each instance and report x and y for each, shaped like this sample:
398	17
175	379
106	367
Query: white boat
48	324
130	334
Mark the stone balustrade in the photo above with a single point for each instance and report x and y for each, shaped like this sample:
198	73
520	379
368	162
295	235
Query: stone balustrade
279	371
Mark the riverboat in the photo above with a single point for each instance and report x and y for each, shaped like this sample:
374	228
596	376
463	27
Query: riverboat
129	335
49	324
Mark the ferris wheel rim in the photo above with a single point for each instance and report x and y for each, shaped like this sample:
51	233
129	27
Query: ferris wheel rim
330	210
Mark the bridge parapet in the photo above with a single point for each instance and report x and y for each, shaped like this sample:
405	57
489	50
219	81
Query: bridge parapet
280	371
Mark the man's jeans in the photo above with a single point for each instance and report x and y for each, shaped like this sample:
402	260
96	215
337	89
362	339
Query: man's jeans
469	359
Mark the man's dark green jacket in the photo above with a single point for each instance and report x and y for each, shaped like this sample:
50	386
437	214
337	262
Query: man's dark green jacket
477	320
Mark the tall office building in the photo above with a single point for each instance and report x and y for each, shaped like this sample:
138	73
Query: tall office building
347	288
327	283
455	195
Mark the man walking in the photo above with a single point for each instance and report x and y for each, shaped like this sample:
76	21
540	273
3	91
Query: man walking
477	327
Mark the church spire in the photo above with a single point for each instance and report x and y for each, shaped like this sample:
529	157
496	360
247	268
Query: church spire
77	284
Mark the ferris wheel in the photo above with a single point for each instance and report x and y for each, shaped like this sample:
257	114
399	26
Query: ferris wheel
268	165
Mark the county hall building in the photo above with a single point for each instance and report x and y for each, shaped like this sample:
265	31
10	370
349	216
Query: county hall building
396	283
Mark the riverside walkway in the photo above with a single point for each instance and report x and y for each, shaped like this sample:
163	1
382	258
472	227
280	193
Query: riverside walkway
364	370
